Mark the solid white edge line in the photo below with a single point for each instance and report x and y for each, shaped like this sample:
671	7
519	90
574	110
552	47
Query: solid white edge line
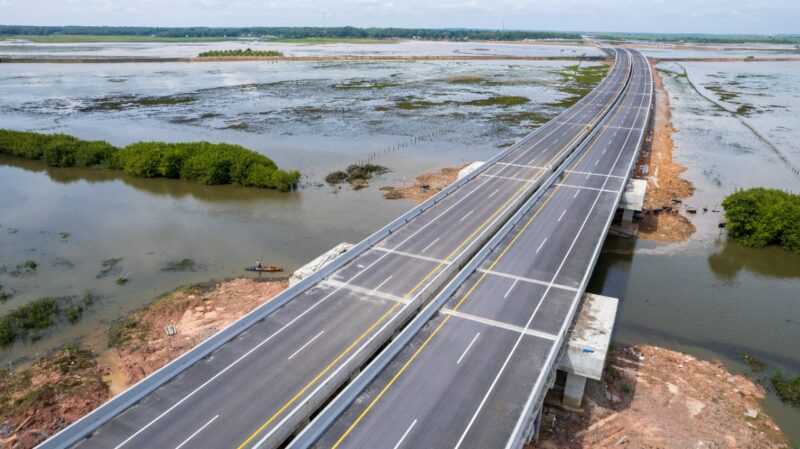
467	348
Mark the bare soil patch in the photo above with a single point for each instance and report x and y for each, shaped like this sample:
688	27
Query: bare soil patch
662	222
196	312
651	397
435	181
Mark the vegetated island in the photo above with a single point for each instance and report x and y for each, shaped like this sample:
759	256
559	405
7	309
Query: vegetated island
357	175
209	163
239	53
758	217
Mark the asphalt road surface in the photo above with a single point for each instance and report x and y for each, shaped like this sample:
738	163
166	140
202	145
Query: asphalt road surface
256	389
464	380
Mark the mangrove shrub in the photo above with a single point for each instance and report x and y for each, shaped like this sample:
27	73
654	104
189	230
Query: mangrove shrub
209	163
759	217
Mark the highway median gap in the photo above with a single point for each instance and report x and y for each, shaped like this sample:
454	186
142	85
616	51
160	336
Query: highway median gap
310	395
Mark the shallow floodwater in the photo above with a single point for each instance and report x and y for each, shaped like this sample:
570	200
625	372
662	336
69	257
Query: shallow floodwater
316	117
710	296
18	48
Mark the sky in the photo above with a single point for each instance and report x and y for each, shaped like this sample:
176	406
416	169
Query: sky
662	16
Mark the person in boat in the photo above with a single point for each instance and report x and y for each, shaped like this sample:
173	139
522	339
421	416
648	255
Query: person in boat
258	264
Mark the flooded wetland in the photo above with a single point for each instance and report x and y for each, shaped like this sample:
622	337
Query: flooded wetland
86	229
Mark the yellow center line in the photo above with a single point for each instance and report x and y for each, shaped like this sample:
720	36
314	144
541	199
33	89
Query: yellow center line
397	304
469	292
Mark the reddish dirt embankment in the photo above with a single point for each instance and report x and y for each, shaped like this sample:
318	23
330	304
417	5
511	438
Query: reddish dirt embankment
197	314
651	397
42	399
663	179
436	182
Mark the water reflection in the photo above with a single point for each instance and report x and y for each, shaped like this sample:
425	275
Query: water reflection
771	262
172	188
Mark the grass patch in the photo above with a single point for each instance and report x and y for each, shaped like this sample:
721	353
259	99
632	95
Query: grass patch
722	94
364	84
393	194
124	331
64	235
4	295
357	175
73	312
24	269
89	298
755	364
122	280
502	101
239	53
466	79
408	104
110	266
576	81
180	265
205	162
758	217
27	320
787	388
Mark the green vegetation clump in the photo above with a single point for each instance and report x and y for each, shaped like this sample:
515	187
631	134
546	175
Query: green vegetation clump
4	295
205	162
356	174
759	217
393	194
180	265
89	298
123	331
577	81
110	266
27	320
502	101
73	312
239	53
788	389
70	372
122	280
755	364
24	269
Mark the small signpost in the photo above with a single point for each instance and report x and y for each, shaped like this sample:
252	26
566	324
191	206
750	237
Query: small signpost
171	332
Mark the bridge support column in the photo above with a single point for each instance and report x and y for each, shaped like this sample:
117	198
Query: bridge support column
573	390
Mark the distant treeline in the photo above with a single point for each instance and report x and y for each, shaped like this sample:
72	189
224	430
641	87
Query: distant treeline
209	163
759	217
236	53
287	32
704	38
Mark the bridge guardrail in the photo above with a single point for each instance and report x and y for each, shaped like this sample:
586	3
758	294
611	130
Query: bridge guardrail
317	427
522	432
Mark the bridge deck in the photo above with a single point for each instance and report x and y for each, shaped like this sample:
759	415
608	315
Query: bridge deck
261	385
466	378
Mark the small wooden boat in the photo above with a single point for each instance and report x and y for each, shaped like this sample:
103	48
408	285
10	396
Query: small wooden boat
264	268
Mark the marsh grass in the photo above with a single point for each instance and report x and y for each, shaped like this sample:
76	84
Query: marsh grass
180	265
